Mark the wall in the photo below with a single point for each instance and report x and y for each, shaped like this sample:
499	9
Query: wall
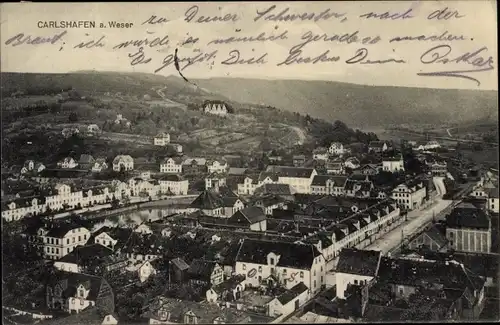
343	279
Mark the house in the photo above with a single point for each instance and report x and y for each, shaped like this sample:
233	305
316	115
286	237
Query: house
86	161
67	162
393	165
144	269
318	184
336	148
161	139
289	301
335	167
113	238
165	310
99	165
352	163
358	185
299	160
173	184
93	129
73	292
172	165
425	281
378	146
281	190
123	163
210	203
205	272
215	107
229	290
62	239
90	259
410	195
492	204
468	229
178	269
286	263
215	180
252	218
431	145
438	168
368	169
355	267
21	207
194	166
431	238
320	154
270	203
298	178
249	185
231	204
30	166
217	166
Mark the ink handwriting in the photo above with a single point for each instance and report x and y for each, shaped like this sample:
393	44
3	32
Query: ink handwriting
283	16
441	55
199	57
192	13
21	39
362	53
235	57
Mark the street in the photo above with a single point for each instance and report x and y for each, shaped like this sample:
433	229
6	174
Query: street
417	220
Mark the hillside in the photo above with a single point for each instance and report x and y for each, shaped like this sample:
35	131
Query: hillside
358	104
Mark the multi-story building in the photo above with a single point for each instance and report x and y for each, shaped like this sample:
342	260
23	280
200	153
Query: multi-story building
194	166
123	163
298	178
215	107
393	165
217	166
172	165
174	184
73	292
215	180
249	185
328	185
62	239
410	195
161	139
468	229
268	262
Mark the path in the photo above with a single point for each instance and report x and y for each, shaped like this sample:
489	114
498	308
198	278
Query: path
301	134
448	131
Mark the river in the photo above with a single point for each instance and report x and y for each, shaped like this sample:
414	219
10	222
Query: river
133	218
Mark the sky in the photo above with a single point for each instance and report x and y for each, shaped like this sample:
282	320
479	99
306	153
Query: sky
474	20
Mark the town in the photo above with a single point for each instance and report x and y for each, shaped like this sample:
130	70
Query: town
349	231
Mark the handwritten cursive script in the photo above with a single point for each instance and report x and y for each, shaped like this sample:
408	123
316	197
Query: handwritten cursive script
441	54
21	39
361	58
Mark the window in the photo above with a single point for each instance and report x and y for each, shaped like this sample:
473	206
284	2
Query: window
322	280
314	283
67	241
81	302
244	267
321	268
284	271
301	274
355	281
73	240
260	269
451	235
314	273
271	261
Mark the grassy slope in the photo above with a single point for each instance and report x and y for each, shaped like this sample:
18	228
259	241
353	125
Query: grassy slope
358	104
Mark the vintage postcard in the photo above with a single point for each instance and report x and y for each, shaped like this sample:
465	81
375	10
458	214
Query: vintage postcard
249	162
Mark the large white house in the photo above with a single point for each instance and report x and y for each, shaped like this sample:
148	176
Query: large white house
267	262
217	166
161	139
172	165
298	178
410	195
174	184
356	267
123	163
67	163
392	165
62	239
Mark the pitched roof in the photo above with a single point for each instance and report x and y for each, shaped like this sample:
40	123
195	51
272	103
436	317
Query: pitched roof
291	294
82	254
299	256
60	230
436	236
230	283
197	161
201	269
468	218
171	178
180	263
276	189
360	262
86	159
449	274
207	200
71	281
252	214
320	180
264	175
287	171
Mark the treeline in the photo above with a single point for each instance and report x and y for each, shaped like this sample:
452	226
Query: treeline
325	133
9	116
40	91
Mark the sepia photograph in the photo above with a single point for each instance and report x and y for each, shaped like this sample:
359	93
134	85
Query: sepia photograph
249	162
